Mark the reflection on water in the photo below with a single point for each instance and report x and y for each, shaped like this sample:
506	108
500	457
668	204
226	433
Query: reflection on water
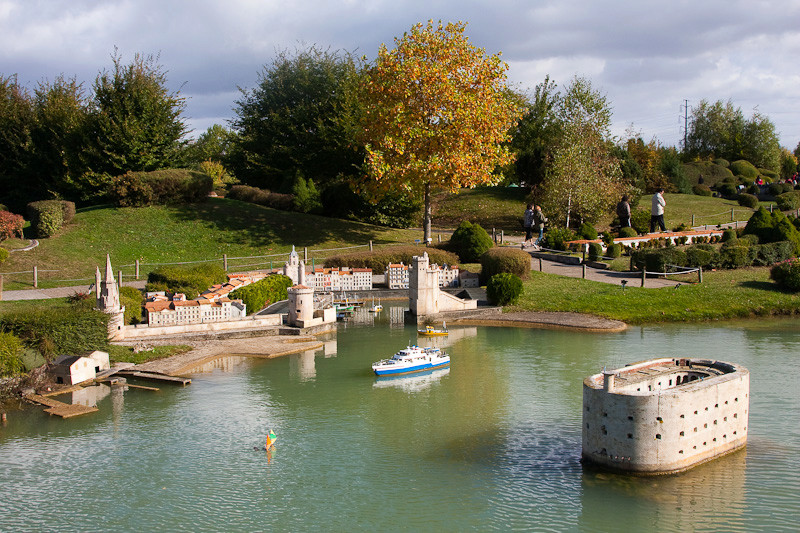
413	382
89	396
224	363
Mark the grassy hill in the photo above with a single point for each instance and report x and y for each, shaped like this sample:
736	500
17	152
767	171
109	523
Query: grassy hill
196	232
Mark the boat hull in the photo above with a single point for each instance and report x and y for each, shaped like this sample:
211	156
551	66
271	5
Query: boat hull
410	369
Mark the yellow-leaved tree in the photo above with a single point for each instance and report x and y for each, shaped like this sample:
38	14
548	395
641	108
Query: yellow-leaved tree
437	114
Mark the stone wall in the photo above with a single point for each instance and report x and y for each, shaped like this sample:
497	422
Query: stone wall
145	332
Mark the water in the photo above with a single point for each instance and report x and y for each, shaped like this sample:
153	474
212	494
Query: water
492	443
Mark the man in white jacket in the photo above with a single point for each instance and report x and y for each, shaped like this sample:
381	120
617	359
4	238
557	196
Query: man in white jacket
657	211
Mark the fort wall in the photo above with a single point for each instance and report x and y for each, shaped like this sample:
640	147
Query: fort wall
665	415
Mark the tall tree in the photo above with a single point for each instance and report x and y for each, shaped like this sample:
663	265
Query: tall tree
584	177
299	118
214	144
437	115
137	121
16	121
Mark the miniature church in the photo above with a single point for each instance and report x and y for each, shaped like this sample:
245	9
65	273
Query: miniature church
424	296
108	301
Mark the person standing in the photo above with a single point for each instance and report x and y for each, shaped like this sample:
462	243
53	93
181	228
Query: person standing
624	212
528	223
538	222
657	211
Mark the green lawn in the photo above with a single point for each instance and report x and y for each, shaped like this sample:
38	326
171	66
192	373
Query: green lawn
185	233
723	294
491	207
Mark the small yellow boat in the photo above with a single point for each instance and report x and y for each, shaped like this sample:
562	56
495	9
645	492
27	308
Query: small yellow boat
430	331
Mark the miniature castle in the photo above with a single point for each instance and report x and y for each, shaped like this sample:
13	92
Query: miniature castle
665	415
424	294
107	294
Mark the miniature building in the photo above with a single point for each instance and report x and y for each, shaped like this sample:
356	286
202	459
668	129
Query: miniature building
468	280
295	269
397	275
424	294
301	308
665	415
108	301
341	279
73	369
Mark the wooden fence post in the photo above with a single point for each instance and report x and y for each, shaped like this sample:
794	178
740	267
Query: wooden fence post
540	264
225	262
119	278
305	254
731	214
137	269
35	277
644	275
1	286
692	219
583	270
494	235
370	245
501	236
700	275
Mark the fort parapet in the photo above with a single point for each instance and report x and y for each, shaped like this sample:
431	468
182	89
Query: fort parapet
665	415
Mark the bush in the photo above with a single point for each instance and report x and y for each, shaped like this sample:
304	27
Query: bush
379	259
587	231
160	187
505	261
3	255
56	331
754	189
749	239
729	235
10	355
190	281
727	190
258	295
503	289
628	232
10	225
658	260
777	189
722	162
556	238
47	217
747	200
701	189
787	275
698	257
254	195
595	251
469	241
614	250
771	253
745	169
640	220
133	300
734	256
788	201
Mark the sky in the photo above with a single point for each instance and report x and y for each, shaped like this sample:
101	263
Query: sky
650	58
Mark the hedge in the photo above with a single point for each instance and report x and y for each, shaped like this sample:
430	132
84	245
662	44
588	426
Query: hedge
10	355
160	187
10	225
503	289
190	281
254	195
133	300
56	331
627	232
505	261
656	260
556	238
788	201
747	200
745	169
3	255
787	275
258	295
49	216
701	189
378	260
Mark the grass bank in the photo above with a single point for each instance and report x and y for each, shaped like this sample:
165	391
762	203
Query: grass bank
722	295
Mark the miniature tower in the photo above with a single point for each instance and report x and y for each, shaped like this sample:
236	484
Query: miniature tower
108	301
295	268
301	305
423	287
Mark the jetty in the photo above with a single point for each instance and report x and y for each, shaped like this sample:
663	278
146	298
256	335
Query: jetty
54	407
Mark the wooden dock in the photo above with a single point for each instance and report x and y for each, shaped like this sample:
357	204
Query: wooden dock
64	410
154	376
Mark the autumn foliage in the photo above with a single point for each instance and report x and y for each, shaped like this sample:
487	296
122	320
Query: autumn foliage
10	225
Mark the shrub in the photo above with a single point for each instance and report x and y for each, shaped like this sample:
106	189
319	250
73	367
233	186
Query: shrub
3	255
776	189
729	235
503	289
254	195
769	173
745	169
10	355
190	280
658	260
505	261
607	237
788	201
614	250
160	187
55	331
734	256
595	251
587	231
556	238
10	225
469	241
754	189
771	253
761	224
747	200
640	221
258	295
722	162
749	239
787	275
698	257
132	299
627	232
68	209
379	259
46	216
701	189
727	190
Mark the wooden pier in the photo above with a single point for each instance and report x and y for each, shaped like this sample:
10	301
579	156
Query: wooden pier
64	410
154	376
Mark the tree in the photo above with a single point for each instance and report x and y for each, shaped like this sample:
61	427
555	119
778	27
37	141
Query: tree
437	114
299	118
16	120
212	145
584	178
136	122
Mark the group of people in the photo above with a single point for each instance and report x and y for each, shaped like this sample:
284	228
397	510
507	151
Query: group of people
534	220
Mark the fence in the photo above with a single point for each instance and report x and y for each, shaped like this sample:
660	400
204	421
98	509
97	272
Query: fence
139	269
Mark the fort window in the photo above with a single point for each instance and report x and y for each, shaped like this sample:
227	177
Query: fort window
695	412
705	426
670	382
715	422
706	408
724	435
659	419
726	402
680	451
736	399
630	435
704	443
605	414
658	436
714	439
734	432
630	418
724	418
587	426
681	433
695	430
682	416
694	447
735	415
716	405
587	409
603	429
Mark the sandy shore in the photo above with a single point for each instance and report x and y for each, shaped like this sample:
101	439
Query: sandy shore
536	319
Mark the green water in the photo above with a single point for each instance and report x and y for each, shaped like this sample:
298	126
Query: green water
493	443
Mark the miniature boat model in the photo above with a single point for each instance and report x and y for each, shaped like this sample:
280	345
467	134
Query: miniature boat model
411	359
430	331
376	308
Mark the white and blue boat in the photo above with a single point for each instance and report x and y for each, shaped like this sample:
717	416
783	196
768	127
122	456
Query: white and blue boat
412	359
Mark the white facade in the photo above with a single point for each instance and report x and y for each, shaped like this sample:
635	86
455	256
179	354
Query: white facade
397	275
665	415
424	294
341	279
70	369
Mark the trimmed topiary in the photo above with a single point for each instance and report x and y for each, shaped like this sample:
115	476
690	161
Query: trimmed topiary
627	232
729	235
788	201
503	289
10	355
587	231
722	162
787	275
46	216
640	220
3	255
658	260
505	260
734	256
470	241
614	250
745	169
595	251
133	300
701	189
698	257
556	238
747	200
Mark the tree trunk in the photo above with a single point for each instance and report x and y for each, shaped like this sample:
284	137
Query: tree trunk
427	222
569	207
